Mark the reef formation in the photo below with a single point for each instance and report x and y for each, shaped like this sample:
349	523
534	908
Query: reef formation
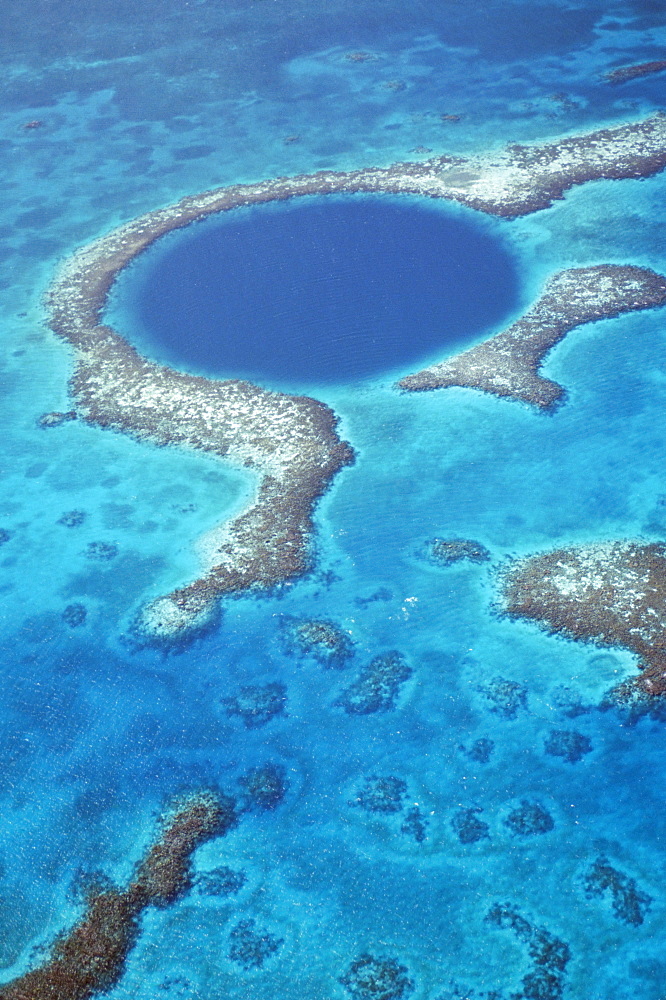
291	442
611	594
630	904
549	956
508	363
625	73
91	957
447	551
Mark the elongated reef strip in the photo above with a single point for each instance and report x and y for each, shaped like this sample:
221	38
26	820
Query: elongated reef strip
611	594
90	959
508	363
625	73
291	442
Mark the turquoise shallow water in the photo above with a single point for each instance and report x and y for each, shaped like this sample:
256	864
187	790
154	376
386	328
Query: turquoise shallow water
141	105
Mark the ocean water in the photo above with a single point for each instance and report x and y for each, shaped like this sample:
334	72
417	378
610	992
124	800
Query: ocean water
141	104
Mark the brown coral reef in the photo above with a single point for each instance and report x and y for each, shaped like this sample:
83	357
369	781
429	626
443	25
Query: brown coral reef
508	364
623	74
611	594
91	957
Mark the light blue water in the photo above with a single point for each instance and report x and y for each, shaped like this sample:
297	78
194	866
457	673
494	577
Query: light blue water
141	104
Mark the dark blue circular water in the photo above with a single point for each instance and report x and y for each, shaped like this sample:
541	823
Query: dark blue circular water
321	290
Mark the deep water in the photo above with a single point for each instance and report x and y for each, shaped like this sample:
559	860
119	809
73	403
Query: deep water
410	834
323	291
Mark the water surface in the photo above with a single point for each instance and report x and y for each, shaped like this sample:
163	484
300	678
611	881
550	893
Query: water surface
324	290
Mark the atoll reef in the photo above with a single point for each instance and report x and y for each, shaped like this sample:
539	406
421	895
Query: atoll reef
630	904
91	957
611	594
625	73
291	442
508	363
446	551
321	639
370	978
377	687
549	955
257	704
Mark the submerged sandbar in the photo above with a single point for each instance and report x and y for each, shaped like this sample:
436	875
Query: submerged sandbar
291	442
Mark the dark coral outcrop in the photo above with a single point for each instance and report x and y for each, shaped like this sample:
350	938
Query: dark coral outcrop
90	958
377	687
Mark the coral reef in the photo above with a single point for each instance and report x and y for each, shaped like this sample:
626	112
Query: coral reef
5	535
360	57
250	948
480	751
446	551
381	794
291	442
625	73
610	594
164	873
221	881
455	991
567	743
528	819
377	687
370	978
321	639
415	825
72	518
257	704
569	703
102	551
264	787
386	795
55	418
467	826
630	904
508	363
506	697
90	958
383	594
549	955
74	615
